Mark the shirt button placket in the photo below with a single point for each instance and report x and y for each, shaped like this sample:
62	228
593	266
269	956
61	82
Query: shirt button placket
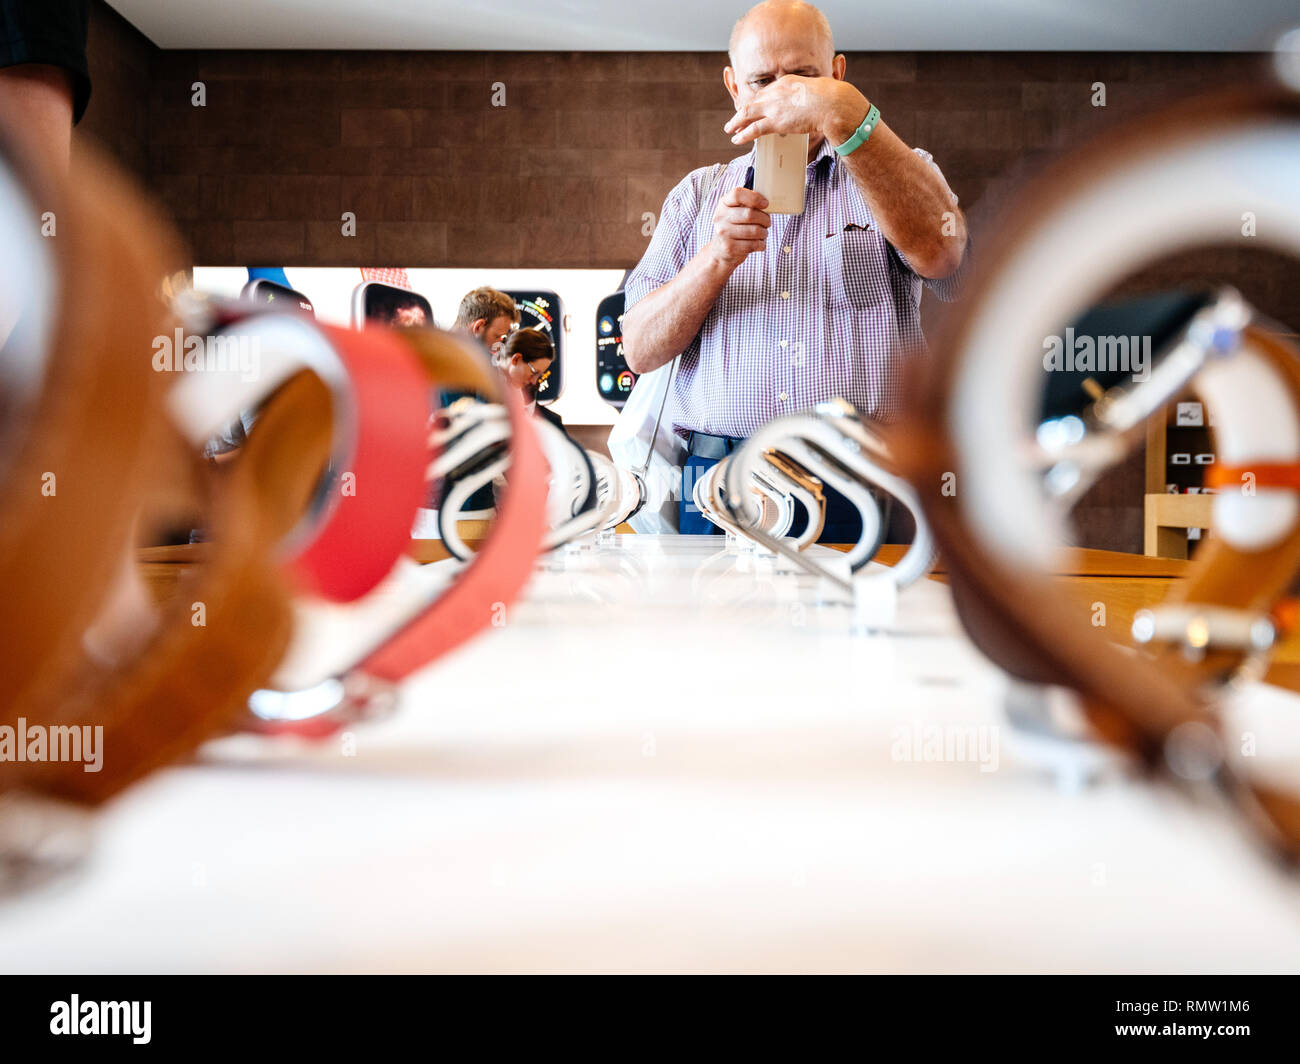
788	317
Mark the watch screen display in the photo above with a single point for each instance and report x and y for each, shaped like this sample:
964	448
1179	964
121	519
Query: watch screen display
268	293
398	308
542	311
613	379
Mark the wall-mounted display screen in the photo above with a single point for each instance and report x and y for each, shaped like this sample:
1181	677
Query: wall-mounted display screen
383	304
613	379
332	293
268	293
542	311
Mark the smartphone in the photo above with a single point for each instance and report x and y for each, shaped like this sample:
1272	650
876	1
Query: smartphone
781	171
374	303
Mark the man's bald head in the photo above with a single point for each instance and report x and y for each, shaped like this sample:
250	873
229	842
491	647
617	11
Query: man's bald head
783	19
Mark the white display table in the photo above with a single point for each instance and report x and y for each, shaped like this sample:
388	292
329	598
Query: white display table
669	758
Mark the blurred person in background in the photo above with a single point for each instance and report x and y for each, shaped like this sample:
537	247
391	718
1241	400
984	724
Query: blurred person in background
525	359
44	86
44	77
487	315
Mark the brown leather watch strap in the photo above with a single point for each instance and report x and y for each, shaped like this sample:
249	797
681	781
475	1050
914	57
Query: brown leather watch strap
99	428
451	364
220	637
1016	613
71	488
1226	576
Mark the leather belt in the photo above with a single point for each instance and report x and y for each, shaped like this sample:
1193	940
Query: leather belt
703	445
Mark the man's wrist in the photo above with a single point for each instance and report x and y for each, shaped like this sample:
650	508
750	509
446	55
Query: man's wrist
845	118
718	261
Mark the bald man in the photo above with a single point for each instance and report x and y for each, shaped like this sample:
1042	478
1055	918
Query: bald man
772	314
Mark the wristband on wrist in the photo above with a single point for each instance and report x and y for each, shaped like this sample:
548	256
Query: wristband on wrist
861	134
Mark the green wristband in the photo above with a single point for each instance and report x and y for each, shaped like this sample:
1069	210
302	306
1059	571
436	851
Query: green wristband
863	131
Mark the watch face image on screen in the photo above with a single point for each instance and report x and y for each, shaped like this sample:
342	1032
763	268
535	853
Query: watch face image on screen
613	379
268	293
384	304
541	310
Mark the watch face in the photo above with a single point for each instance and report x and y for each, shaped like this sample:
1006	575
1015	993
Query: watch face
398	308
613	379
268	293
542	311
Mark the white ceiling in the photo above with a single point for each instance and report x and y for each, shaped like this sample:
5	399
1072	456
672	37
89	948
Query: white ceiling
692	25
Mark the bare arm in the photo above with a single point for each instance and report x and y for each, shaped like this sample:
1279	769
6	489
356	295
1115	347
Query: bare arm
909	200
663	323
38	100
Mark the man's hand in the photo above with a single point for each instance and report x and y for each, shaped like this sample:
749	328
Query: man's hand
827	107
662	324
740	227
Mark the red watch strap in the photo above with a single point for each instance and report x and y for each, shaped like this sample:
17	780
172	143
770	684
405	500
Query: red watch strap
497	573
87	437
370	526
191	681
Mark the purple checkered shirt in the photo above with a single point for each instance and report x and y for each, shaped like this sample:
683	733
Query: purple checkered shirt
829	309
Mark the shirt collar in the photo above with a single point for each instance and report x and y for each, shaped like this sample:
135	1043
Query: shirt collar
826	152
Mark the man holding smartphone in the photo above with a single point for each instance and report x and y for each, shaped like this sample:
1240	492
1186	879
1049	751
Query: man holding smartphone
773	313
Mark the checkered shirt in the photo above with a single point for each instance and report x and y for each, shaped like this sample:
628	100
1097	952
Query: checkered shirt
829	309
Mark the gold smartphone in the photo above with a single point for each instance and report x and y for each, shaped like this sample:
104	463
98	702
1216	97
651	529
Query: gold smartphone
780	171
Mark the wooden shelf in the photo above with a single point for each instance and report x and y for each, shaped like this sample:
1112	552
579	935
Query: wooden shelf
1167	519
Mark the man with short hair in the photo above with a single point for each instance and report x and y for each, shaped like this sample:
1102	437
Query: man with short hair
770	313
487	315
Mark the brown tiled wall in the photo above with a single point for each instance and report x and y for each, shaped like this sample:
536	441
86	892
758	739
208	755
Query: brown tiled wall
586	145
121	61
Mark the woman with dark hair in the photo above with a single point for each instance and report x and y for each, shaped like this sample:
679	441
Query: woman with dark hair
525	359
